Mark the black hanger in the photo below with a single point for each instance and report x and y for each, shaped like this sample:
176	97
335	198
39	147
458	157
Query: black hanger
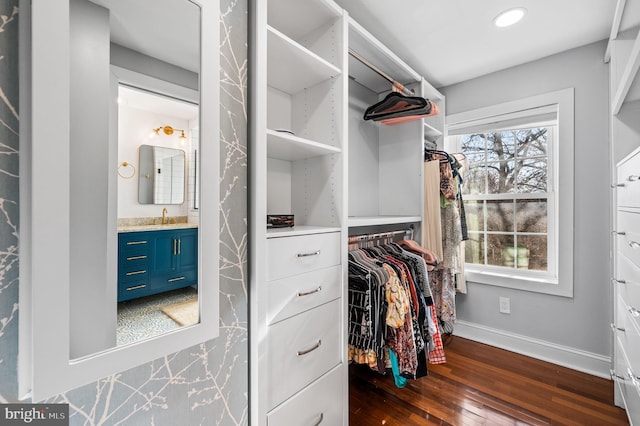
396	105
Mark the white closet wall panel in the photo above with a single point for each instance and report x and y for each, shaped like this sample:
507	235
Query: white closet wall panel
278	187
315	185
400	175
314	112
278	109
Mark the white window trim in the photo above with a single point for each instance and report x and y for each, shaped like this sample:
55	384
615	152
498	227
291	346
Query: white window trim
562	161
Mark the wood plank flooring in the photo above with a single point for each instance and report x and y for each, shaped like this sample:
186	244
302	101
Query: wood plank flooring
483	385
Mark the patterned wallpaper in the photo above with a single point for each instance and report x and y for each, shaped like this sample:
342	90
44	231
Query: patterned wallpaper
202	385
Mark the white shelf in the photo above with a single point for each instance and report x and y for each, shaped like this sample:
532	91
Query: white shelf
628	86
298	18
300	230
431	133
292	67
355	221
284	146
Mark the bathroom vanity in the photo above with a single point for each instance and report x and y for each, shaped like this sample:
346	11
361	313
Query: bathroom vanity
156	258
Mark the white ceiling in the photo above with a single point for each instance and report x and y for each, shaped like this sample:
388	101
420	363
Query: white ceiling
449	41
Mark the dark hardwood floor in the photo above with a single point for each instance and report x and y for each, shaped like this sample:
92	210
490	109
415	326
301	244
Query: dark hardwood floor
483	385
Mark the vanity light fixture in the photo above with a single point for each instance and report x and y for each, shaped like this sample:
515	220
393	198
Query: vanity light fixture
509	17
168	130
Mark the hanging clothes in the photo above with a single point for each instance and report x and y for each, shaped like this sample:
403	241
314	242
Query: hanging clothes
391	311
432	227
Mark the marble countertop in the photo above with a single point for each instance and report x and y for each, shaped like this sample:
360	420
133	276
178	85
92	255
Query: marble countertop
155	227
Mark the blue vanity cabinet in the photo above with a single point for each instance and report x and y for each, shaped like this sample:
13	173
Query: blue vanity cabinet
151	262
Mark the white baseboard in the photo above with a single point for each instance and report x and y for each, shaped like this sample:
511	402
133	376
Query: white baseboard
576	359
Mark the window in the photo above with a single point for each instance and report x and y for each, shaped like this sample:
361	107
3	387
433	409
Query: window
517	197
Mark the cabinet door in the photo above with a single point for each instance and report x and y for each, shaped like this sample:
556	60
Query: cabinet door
187	249
165	249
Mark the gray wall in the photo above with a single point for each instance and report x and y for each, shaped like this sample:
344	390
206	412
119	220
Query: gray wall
581	322
205	384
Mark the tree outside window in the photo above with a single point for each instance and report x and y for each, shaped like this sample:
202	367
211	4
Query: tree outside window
507	197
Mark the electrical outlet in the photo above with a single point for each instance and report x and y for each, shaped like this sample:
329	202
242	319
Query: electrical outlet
505	305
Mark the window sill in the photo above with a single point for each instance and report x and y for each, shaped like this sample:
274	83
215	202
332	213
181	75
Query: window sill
536	284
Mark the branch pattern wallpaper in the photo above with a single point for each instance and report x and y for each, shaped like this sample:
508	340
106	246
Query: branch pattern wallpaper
202	385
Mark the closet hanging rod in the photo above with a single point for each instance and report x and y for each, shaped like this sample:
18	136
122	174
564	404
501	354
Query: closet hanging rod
399	86
354	239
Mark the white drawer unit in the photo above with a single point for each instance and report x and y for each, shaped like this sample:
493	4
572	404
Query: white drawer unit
628	182
289	256
628	333
301	349
628	383
318	404
293	295
628	235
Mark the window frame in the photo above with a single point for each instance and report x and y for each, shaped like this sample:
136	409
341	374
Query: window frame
560	206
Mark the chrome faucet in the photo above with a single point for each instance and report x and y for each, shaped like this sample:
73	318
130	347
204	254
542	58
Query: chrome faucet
164	213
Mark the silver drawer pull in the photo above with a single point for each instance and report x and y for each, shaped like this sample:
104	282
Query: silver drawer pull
615	375
634	312
136	257
633	178
136	272
315	253
134	243
619	233
613	280
307	293
175	279
620	185
137	287
319	420
316	346
634	244
633	377
614	328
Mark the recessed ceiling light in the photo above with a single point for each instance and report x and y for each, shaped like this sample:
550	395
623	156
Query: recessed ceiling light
509	17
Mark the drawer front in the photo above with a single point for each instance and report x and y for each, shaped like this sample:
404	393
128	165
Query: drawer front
628	180
628	238
318	404
132	289
628	334
293	295
134	243
174	280
628	281
628	384
301	349
295	255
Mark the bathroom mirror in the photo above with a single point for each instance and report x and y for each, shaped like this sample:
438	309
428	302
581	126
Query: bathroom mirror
162	175
70	182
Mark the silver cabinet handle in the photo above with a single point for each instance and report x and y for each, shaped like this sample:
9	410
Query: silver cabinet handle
134	243
634	245
615	375
633	377
634	312
172	280
319	420
136	287
315	253
633	178
614	281
619	233
619	185
307	293
175	251
316	346
136	272
179	245
614	328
